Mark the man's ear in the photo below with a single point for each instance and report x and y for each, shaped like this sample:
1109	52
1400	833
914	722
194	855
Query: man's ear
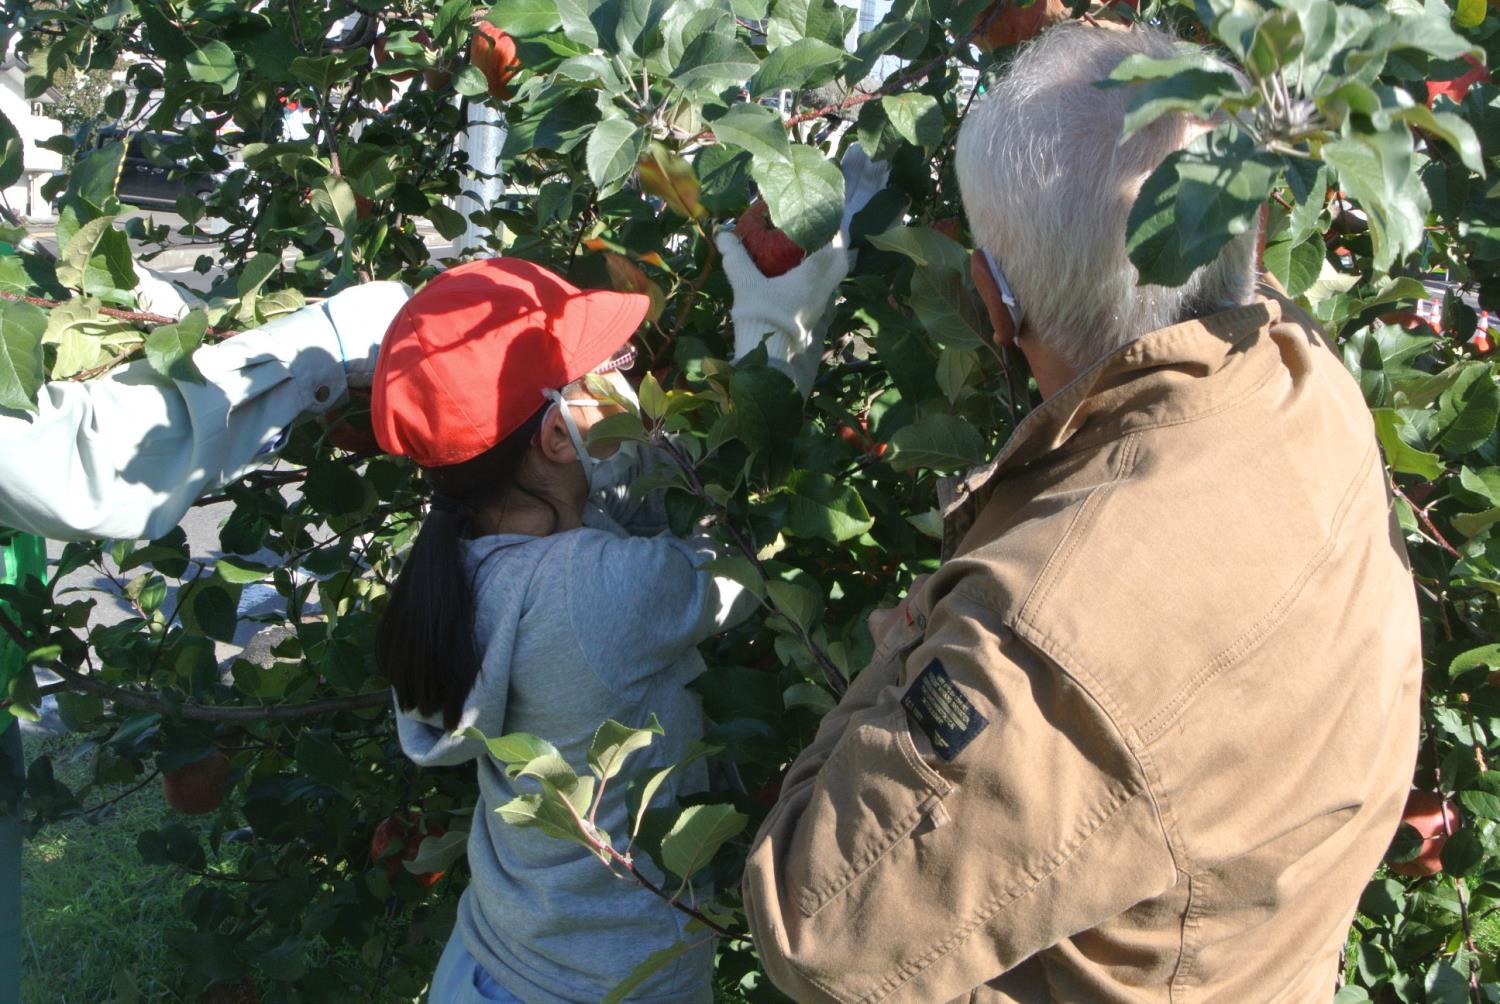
553	439
989	292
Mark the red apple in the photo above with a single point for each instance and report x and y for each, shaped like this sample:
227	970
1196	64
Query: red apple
410	833
494	52
199	786
773	252
1435	819
1015	24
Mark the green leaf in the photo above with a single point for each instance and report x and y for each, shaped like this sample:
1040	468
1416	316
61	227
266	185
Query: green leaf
1297	266
1380	172
737	568
614	742
754	128
524	18
810	696
819	505
450	19
239	571
514	748
805	194
647	792
334	201
1195	203
21	362
551	770
699	832
613	148
940	442
471	81
438	853
792	20
170	348
96	260
1402	458
1484	657
711	62
214	608
320	73
1483	800
213	63
797	603
645	969
94	177
1467	411
1194	83
1484	482
917	118
767	407
335	489
1451	129
800	64
11	167
618	428
927	248
1310	190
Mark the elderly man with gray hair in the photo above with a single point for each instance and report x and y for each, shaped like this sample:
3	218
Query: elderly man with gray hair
1148	731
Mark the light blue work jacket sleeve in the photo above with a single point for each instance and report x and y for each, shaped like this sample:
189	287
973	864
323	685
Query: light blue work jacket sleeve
125	455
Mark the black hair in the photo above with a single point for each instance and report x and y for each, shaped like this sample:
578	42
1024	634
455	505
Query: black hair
425	644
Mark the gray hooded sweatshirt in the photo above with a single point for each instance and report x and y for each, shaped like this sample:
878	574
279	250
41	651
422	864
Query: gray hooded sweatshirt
575	628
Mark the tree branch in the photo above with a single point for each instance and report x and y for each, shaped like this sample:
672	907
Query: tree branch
194	711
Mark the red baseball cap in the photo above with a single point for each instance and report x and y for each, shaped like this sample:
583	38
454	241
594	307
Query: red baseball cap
466	360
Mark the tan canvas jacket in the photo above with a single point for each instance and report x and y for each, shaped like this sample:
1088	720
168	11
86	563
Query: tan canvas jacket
1153	722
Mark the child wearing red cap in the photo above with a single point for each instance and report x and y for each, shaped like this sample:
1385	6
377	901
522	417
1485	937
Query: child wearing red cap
522	608
511	614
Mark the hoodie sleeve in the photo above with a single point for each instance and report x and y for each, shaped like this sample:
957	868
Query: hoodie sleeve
639	604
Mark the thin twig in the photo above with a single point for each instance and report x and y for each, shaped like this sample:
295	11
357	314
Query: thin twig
831	672
1421	513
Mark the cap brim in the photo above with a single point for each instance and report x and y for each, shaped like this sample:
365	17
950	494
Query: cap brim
606	320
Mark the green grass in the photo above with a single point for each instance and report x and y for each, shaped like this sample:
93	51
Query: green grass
92	911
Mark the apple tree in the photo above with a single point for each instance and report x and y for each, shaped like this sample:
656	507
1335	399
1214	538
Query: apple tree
1366	136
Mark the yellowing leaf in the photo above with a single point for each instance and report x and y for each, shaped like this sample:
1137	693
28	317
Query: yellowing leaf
670	178
1470	13
626	277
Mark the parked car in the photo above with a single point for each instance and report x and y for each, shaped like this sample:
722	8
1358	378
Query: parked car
150	177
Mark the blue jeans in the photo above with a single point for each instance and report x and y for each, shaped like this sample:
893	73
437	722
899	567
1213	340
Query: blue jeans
460	979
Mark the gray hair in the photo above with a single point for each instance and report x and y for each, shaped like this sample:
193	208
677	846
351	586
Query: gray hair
1048	186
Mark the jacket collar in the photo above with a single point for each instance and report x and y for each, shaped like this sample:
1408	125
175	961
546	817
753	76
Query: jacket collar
1171	375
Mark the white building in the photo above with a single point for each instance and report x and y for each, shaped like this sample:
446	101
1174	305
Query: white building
29	117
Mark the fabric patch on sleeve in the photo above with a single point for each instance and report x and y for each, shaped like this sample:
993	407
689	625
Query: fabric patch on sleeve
946	717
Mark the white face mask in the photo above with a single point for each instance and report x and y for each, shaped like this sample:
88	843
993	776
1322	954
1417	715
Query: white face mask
609	472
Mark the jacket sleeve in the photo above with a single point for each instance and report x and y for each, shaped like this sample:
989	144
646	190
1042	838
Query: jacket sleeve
975	807
125	455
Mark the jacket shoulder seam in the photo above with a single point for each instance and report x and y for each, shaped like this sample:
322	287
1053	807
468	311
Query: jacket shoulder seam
1077	529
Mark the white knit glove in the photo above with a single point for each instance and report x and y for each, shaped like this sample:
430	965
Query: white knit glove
360	316
789	313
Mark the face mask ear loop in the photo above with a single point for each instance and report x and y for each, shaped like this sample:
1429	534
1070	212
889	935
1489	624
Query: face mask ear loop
585	459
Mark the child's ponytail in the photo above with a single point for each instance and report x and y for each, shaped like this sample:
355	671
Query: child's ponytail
425	644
